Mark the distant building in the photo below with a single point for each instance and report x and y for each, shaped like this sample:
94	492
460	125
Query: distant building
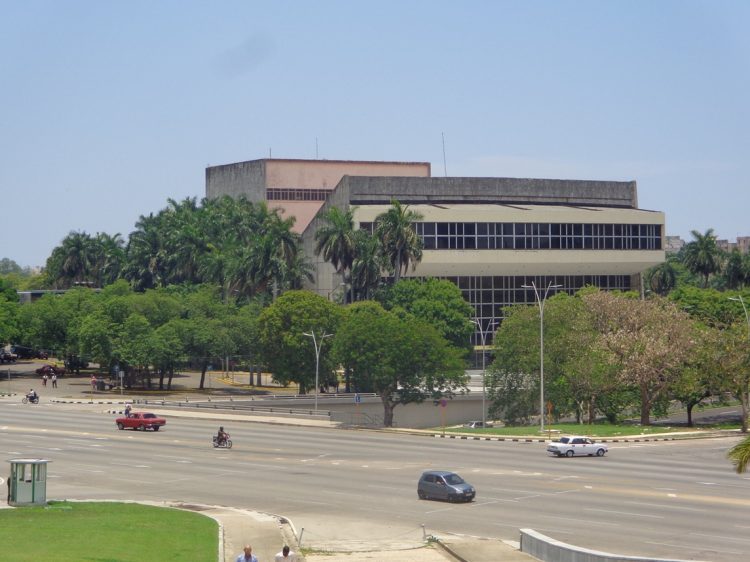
673	244
489	236
743	244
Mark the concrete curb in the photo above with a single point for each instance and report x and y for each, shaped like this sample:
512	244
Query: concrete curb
449	551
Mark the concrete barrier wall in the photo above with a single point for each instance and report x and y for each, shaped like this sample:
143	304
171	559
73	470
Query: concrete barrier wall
550	550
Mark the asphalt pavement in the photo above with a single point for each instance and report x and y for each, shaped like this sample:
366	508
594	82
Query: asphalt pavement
267	533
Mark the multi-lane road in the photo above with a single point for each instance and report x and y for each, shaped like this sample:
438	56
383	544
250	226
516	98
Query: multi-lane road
677	499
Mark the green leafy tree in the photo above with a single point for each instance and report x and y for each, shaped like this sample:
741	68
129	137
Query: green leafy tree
436	302
7	265
512	379
650	341
284	348
403	359
731	363
398	238
9	330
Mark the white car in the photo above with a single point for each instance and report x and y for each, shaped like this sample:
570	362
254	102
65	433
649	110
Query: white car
477	424
576	445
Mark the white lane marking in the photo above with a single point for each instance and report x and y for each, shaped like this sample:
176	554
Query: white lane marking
587	521
673	545
185	462
666	489
623	513
708	483
317	458
664	506
719	537
564	478
142	466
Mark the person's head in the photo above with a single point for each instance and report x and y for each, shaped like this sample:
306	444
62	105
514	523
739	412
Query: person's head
285	550
248	550
221	428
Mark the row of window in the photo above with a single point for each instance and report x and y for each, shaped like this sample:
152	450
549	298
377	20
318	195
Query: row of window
535	236
488	296
293	194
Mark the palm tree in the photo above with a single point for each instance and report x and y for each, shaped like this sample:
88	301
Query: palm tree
145	255
734	270
740	455
110	258
336	240
399	241
662	278
72	261
702	255
366	269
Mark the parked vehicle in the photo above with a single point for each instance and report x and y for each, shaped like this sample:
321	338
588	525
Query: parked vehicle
226	444
141	421
573	445
477	424
7	356
444	485
50	370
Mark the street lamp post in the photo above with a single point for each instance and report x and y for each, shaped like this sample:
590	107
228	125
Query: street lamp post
540	300
482	334
318	345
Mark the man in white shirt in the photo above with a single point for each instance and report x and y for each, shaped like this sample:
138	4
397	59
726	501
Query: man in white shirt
286	555
247	555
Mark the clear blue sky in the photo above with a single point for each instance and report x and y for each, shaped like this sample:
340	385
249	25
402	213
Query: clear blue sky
110	108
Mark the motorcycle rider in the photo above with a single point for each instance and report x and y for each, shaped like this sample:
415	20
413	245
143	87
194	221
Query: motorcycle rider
222	436
32	395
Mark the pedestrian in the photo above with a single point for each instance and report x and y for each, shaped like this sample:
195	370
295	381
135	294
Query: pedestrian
247	555
54	380
286	555
128	407
93	383
44	380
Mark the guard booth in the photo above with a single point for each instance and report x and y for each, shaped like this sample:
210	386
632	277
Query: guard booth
27	484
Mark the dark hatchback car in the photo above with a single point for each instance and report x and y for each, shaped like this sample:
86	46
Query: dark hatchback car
444	485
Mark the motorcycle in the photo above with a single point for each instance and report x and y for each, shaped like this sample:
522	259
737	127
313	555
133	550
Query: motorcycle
32	399
226	444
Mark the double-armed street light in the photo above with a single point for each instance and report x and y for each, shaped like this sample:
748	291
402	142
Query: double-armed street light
540	299
318	344
482	334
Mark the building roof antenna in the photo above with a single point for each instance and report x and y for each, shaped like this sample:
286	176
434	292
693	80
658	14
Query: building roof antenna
445	165
316	148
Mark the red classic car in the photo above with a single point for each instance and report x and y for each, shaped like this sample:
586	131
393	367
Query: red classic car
140	420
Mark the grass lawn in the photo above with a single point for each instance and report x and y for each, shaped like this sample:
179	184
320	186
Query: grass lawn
595	430
106	532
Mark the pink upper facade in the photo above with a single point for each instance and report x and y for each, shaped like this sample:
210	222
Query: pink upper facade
286	180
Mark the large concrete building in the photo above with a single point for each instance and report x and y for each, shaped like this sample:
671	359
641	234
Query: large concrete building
490	236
